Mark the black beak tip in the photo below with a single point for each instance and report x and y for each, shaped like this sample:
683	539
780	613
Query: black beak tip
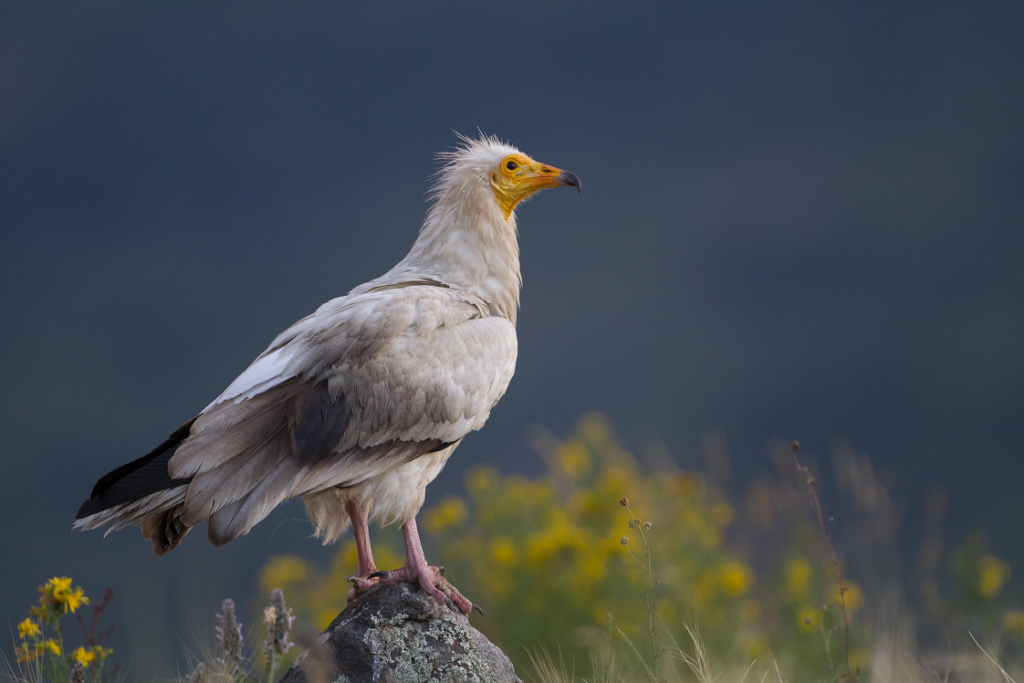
569	178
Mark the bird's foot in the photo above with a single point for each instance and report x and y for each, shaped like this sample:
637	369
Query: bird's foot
431	580
361	584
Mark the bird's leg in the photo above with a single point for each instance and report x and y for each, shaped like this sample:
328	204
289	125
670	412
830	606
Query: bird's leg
361	582
416	570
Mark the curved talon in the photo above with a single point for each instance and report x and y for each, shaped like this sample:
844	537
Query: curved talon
440	570
477	608
378	575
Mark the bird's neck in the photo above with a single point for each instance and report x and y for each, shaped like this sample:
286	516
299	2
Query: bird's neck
466	243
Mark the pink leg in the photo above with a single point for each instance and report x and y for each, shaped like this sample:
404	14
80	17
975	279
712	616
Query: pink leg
360	529
416	570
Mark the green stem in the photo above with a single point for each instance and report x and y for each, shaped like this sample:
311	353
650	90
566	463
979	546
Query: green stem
649	597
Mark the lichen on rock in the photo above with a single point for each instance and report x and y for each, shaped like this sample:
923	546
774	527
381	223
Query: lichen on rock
400	634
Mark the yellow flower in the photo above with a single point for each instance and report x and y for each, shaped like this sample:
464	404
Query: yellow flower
50	645
854	597
29	628
1014	621
325	617
74	600
798	577
595	428
706	587
58	585
449	512
83	656
348	555
503	551
860	658
58	593
479	479
737	578
574	459
808	618
754	646
558	538
282	570
992	574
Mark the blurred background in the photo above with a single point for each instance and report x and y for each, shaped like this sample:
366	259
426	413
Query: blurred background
801	222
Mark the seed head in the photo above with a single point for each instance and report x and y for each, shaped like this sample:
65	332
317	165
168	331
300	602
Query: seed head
624	501
198	674
647	525
279	621
796	446
624	541
229	634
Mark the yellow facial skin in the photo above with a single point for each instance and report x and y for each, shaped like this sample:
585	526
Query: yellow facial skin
518	176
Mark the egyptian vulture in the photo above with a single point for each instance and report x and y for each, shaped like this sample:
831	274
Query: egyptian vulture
358	406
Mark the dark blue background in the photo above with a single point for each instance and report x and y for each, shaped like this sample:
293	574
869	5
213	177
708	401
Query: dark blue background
802	221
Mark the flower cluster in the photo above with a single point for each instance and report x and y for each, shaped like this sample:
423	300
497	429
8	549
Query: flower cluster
57	595
229	635
41	640
278	619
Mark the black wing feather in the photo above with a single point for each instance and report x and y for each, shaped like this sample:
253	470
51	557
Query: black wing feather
138	478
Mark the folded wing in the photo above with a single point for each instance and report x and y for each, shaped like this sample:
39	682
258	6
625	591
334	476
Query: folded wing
365	384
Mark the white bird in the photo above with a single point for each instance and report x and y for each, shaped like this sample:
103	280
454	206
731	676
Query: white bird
358	406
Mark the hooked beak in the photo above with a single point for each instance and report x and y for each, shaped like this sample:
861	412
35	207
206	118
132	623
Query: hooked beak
569	178
541	176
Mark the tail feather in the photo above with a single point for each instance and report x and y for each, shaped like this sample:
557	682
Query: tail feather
124	515
236	478
239	517
138	479
141	492
165	530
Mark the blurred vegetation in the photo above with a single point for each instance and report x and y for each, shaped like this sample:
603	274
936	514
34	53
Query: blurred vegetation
636	569
557	561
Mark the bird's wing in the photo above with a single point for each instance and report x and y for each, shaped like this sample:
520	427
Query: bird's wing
367	383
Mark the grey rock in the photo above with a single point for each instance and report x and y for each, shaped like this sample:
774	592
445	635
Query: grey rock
400	634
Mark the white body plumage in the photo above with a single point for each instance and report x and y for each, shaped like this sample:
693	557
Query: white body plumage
366	398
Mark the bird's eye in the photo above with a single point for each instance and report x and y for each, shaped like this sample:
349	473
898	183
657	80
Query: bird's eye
511	165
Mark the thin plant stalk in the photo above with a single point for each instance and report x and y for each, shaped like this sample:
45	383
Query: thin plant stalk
813	492
649	595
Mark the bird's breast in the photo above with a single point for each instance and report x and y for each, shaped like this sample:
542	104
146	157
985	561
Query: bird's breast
438	383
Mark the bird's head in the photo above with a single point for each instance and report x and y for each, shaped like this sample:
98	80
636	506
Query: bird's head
487	169
517	177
